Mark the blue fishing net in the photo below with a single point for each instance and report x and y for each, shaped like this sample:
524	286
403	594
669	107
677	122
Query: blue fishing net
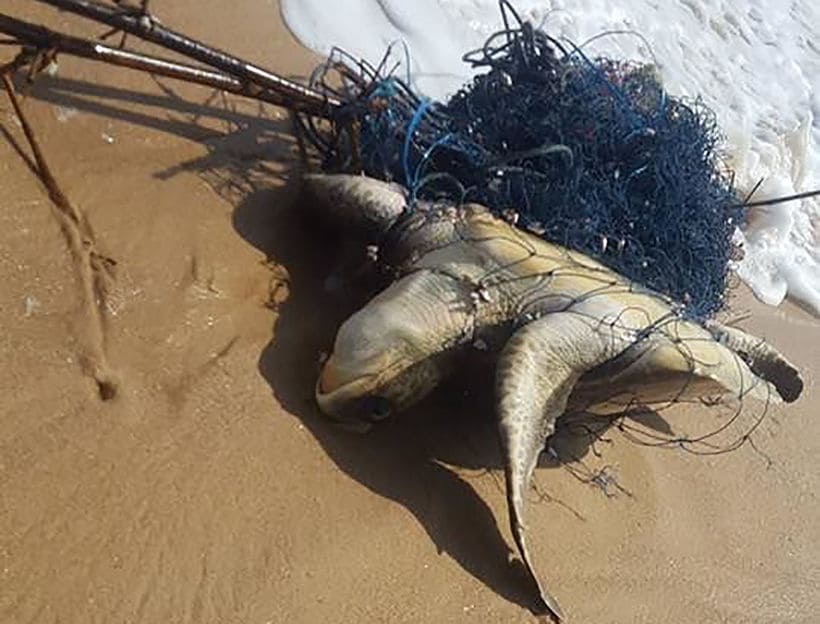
589	153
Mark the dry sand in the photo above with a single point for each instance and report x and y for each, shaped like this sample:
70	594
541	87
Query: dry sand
210	490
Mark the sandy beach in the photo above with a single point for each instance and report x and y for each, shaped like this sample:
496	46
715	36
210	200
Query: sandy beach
200	484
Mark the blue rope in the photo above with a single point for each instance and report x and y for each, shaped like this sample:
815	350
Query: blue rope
408	139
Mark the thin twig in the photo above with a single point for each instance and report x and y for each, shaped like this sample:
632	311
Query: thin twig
92	266
43	170
784	198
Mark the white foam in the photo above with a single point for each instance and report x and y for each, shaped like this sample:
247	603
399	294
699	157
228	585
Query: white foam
756	63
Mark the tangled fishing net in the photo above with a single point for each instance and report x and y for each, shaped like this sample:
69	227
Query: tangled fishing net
592	154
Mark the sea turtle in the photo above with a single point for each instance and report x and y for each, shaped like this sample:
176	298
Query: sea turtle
569	332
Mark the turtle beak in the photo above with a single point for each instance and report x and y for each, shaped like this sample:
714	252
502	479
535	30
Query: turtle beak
339	392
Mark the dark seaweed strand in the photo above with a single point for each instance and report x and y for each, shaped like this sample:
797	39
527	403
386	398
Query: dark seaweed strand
591	153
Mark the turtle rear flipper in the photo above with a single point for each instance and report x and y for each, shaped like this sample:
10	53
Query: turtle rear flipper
677	362
766	361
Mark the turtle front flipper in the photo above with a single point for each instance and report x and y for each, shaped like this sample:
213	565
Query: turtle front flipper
537	370
363	207
764	360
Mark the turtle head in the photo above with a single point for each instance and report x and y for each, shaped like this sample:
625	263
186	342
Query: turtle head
386	357
376	370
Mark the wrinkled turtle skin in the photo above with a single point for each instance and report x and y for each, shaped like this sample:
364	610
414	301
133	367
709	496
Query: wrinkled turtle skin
571	333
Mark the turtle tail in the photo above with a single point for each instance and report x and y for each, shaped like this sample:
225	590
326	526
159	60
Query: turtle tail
762	358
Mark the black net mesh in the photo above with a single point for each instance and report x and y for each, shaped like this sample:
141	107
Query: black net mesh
590	153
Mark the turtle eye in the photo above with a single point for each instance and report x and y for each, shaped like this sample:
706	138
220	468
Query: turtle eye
376	407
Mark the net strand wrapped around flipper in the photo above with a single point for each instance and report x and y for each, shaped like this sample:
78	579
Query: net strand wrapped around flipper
591	154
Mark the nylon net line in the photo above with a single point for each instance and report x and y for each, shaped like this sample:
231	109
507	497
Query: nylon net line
590	153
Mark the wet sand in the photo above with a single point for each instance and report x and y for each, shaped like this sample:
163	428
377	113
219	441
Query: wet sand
209	489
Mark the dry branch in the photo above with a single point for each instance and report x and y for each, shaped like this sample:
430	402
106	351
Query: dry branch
229	74
141	24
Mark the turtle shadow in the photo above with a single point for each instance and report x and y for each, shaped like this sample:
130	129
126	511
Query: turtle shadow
427	458
406	460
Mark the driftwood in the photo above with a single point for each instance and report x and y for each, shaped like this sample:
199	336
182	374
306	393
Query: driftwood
215	68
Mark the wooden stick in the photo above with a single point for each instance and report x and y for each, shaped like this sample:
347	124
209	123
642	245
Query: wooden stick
142	25
44	38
